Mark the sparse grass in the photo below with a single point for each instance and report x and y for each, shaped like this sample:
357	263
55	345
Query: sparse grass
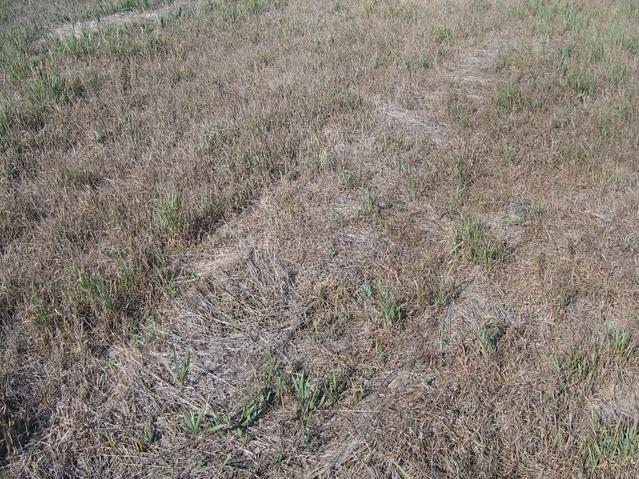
443	35
588	364
223	180
96	293
457	107
580	80
72	178
310	398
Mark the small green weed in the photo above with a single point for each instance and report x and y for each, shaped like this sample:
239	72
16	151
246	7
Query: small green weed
255	407
489	334
311	398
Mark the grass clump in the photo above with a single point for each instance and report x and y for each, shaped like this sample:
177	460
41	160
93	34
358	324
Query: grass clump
473	241
509	98
254	407
95	291
580	79
370	204
388	307
310	398
585	365
443	35
611	443
169	212
85	43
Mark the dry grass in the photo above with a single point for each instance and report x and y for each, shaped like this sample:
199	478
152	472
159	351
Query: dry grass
279	238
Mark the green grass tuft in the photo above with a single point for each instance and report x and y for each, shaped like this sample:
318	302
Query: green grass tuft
611	443
472	241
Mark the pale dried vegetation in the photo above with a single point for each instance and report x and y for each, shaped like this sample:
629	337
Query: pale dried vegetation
319	238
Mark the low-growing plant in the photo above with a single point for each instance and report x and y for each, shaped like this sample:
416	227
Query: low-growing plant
489	335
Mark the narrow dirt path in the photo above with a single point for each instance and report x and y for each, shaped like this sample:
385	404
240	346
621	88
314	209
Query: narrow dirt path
126	18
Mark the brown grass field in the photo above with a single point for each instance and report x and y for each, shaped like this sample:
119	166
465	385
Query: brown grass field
350	239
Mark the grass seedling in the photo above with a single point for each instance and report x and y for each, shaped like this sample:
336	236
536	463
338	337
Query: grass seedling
193	420
255	407
146	438
180	370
